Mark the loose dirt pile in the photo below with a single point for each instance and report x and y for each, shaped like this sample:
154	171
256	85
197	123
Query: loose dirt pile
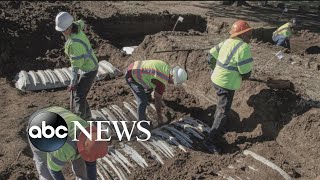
280	125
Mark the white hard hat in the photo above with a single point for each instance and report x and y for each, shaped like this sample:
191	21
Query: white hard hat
179	75
63	21
293	21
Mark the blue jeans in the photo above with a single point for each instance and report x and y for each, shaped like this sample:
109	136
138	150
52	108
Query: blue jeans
140	95
91	170
281	41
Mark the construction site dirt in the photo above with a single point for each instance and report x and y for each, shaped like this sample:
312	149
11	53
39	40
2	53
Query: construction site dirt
280	124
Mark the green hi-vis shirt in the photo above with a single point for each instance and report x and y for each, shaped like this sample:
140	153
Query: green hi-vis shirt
233	58
57	159
80	53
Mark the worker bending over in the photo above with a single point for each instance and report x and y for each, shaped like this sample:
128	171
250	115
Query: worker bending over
283	34
82	154
231	62
82	57
146	76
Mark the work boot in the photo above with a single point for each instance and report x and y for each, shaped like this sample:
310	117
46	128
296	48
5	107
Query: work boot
211	146
210	143
287	50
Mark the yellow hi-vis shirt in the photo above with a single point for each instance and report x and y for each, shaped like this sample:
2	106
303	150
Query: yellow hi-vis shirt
144	71
284	30
233	58
80	52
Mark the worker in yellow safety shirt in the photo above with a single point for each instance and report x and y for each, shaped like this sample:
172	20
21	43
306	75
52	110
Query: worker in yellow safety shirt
231	62
82	58
82	153
146	76
283	34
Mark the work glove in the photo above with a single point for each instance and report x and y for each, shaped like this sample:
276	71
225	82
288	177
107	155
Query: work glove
212	62
149	91
72	87
212	66
149	95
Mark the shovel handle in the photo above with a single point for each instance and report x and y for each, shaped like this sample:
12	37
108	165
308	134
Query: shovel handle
71	100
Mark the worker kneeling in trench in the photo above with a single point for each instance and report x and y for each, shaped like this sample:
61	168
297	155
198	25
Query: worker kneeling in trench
147	76
231	62
283	34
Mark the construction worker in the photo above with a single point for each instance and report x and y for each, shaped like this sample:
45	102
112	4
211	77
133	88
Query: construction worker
82	154
231	62
82	57
283	34
152	76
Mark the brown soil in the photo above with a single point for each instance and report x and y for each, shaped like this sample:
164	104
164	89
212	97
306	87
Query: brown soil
281	125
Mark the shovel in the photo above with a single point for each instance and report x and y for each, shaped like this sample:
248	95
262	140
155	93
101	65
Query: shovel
71	100
275	83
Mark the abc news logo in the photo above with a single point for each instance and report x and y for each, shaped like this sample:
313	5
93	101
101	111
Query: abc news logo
48	131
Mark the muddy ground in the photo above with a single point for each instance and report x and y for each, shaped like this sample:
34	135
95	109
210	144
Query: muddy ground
281	125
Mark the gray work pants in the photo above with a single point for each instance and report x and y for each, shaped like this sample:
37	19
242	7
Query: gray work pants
40	159
85	82
223	109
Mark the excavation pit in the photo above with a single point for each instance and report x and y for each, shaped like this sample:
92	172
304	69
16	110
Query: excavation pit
130	29
263	34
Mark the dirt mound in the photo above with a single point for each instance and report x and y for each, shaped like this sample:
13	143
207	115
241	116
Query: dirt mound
28	35
217	26
305	41
302	133
194	165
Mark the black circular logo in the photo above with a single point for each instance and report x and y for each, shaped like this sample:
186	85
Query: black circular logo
48	131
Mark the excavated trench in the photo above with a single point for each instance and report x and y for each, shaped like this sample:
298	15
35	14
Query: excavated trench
130	29
263	34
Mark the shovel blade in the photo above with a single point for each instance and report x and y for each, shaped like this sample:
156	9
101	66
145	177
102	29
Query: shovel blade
279	84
